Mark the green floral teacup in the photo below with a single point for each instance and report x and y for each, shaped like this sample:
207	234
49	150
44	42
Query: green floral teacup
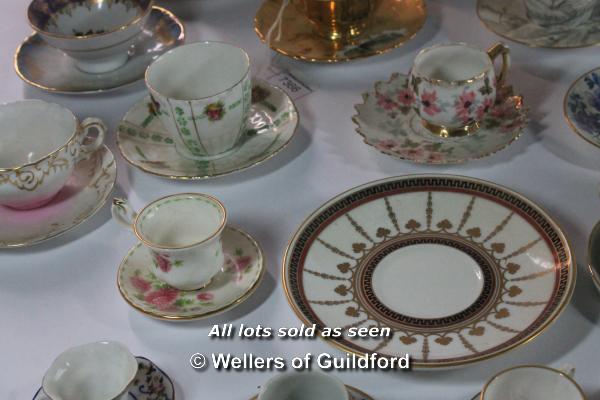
183	234
202	94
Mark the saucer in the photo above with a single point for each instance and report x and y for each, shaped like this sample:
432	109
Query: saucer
460	270
229	288
392	24
150	383
594	255
162	32
386	120
508	18
84	194
582	106
147	145
354	393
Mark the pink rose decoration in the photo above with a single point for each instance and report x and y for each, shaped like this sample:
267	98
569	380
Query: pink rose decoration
205	296
385	102
406	97
484	108
428	100
140	284
464	104
162	298
387	144
163	262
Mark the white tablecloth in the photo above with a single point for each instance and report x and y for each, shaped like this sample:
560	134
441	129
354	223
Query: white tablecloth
63	292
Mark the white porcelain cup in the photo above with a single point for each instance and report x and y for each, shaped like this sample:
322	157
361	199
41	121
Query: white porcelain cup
202	94
304	386
40	143
559	13
532	382
94	371
183	234
96	34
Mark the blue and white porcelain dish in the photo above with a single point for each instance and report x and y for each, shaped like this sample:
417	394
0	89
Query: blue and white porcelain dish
582	106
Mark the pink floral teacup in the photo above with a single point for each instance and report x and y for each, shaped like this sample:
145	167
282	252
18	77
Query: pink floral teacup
455	86
183	234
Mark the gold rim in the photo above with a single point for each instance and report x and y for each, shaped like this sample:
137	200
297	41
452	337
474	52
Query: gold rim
330	60
348	387
226	307
420	365
565	108
208	197
561	373
164	11
394	76
76	130
134	21
209	176
111	165
522	41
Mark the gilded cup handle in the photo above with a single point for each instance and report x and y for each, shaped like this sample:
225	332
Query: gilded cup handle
123	213
495	51
86	126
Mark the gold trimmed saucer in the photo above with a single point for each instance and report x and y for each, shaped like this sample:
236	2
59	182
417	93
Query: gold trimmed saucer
355	394
240	277
393	23
84	194
47	68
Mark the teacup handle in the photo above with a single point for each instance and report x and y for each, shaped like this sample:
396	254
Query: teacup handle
84	132
495	51
123	213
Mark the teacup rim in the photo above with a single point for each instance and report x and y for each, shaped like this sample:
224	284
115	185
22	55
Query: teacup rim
123	27
111	342
53	152
535	366
150	244
183	46
456	82
334	378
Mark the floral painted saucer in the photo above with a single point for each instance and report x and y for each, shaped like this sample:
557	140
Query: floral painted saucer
582	106
84	194
508	18
150	383
457	269
354	393
240	277
47	68
386	120
392	24
147	145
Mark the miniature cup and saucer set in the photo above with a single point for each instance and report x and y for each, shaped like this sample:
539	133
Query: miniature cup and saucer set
453	107
189	128
308	386
337	30
50	182
543	23
104	371
188	264
90	46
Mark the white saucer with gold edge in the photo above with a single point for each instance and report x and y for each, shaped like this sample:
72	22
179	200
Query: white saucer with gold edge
355	394
594	255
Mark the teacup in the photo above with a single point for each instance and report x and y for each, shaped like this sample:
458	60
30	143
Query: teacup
97	34
532	382
94	371
338	19
183	234
39	147
455	86
304	386
559	14
202	94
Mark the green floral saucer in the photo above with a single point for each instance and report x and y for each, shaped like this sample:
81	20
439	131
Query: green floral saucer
240	277
386	120
146	144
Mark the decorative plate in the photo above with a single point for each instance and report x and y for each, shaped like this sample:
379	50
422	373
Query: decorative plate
582	106
47	68
150	383
147	145
393	23
355	394
459	270
508	18
84	194
594	255
144	292
386	120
